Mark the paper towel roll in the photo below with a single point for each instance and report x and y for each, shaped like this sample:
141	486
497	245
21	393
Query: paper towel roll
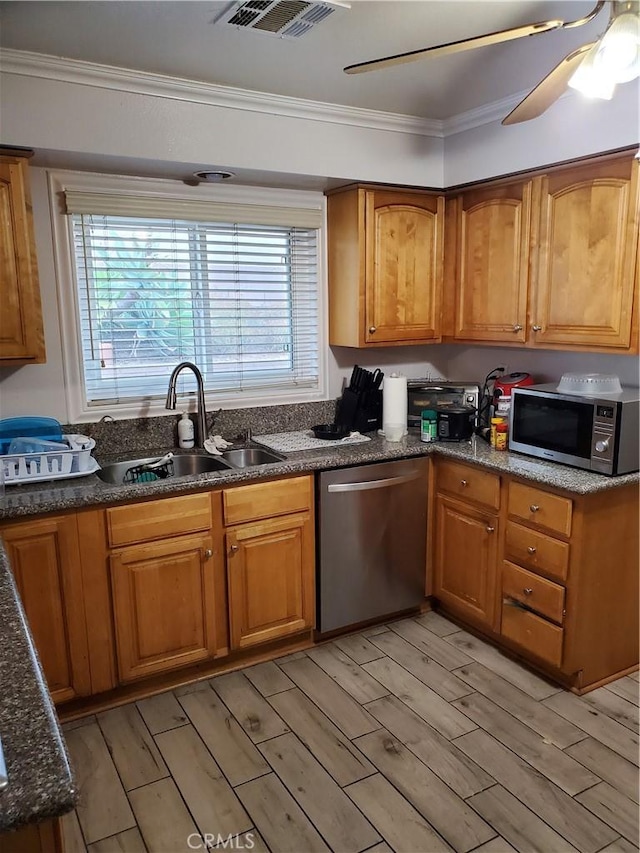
394	401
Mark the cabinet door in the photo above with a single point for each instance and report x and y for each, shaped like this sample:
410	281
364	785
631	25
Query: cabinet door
163	598
404	238
491	266
21	334
270	568
44	556
465	560
587	255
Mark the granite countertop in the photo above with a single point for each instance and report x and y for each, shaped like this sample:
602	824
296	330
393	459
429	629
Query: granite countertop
63	495
41	785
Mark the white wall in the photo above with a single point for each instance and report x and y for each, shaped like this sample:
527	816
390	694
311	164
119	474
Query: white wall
469	362
83	119
572	127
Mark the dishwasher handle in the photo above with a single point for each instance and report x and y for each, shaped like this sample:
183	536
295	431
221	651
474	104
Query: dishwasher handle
367	485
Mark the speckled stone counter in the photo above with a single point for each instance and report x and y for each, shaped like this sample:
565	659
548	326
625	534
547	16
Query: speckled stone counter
40	782
25	500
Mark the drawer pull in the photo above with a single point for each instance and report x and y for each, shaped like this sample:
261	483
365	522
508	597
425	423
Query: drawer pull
527	590
537	328
208	554
517	327
464	483
531	549
372	330
233	549
534	507
490	529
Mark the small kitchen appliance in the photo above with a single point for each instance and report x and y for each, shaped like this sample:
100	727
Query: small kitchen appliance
503	387
598	433
433	393
455	423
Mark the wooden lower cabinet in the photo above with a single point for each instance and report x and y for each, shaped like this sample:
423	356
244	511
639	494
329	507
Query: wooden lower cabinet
44	556
117	595
555	580
270	568
465	559
45	837
163	601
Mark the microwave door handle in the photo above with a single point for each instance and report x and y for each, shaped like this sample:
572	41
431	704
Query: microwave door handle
367	485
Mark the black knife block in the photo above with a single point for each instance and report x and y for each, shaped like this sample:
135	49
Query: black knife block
360	410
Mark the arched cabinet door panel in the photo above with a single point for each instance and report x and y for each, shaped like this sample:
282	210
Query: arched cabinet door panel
587	256
492	248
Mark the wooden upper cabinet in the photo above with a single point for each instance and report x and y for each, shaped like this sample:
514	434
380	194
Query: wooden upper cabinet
587	259
21	332
488	262
386	256
44	557
549	262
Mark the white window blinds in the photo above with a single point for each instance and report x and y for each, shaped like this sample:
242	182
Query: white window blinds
237	298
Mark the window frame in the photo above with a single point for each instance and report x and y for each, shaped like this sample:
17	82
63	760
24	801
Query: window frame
164	190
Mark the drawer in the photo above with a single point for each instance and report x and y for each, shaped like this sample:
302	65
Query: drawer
543	509
158	519
539	594
534	635
469	483
537	551
265	500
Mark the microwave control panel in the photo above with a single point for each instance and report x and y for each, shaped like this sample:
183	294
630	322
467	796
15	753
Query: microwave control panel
604	427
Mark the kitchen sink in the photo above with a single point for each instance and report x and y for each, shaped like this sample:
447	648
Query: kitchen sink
184	465
243	457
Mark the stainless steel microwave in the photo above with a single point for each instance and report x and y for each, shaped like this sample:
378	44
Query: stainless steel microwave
596	433
429	393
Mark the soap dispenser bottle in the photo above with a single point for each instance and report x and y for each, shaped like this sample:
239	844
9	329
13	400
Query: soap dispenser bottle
185	432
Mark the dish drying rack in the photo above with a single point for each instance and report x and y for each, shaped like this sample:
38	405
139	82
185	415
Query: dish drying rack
50	465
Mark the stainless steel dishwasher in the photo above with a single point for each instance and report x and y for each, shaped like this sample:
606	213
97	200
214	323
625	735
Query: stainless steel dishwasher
372	543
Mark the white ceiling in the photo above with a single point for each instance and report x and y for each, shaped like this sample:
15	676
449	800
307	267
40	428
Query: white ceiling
178	39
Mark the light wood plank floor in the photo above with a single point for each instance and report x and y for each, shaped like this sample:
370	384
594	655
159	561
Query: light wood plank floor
412	737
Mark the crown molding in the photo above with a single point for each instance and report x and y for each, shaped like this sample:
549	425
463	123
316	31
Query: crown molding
28	64
488	113
485	114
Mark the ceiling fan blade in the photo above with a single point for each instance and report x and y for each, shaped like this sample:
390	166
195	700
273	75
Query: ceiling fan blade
454	47
548	90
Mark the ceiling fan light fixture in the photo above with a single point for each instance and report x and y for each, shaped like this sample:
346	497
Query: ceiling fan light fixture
612	60
592	81
619	50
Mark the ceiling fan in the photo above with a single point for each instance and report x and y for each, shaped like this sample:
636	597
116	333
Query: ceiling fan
594	69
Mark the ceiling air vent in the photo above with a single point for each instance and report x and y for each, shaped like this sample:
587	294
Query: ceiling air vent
284	18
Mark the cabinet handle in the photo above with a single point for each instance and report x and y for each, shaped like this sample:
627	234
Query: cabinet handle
233	549
372	330
517	327
531	549
537	328
463	483
208	554
534	507
527	590
490	529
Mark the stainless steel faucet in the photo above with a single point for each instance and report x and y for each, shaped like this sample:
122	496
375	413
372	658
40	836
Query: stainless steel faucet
202	409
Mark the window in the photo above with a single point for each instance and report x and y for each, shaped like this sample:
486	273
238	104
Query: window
238	298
